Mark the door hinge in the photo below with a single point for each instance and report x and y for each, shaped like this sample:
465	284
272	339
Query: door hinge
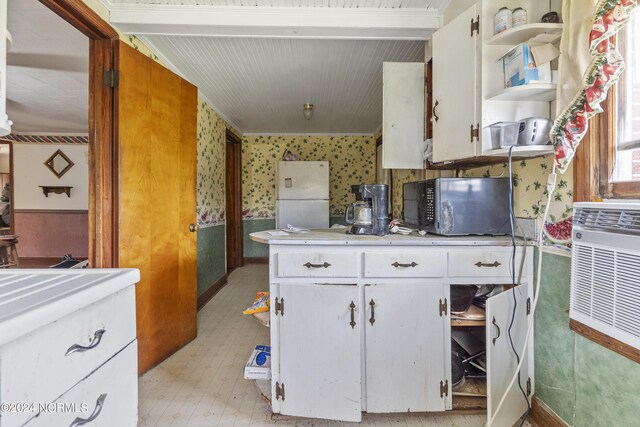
279	306
528	306
529	386
279	391
475	132
111	78
444	388
442	307
475	25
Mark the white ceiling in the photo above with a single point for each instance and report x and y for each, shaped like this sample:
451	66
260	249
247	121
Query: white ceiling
423	4
261	84
47	72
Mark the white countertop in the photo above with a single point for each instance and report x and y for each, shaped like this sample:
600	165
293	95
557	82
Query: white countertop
31	299
338	236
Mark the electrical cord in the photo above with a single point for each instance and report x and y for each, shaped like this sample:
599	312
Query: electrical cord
551	185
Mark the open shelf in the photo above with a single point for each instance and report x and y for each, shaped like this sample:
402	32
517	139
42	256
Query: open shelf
494	157
521	34
521	151
531	92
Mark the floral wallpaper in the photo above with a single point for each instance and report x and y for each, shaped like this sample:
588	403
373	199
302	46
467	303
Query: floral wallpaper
211	166
351	161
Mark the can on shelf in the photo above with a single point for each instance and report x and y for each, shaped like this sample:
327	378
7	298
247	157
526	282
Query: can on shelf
519	17
502	20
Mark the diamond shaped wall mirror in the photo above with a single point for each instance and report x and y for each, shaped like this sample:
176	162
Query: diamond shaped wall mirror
59	163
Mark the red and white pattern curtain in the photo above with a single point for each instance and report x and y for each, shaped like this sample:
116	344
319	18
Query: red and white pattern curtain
589	65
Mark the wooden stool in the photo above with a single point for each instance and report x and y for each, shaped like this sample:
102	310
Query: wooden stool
8	252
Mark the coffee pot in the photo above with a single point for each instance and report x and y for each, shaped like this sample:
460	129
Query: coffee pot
370	213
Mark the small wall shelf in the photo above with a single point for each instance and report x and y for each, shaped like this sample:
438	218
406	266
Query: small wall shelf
46	189
522	151
532	92
521	34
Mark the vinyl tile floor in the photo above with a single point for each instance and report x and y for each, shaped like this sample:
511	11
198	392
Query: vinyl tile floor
203	385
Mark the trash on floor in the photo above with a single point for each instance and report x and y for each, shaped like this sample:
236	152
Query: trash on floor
258	366
260	308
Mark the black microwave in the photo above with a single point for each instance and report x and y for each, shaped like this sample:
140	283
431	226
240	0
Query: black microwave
458	206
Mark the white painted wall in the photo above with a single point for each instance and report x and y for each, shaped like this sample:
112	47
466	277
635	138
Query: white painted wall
30	172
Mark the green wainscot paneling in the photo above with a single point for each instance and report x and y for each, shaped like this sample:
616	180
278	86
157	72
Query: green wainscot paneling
211	256
251	249
554	341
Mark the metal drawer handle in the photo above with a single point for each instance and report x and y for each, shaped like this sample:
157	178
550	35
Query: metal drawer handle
397	264
433	111
352	306
373	313
97	337
484	264
96	411
309	265
497	327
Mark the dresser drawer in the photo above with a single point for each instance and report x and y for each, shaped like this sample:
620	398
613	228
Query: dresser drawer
313	264
109	395
405	264
482	264
40	366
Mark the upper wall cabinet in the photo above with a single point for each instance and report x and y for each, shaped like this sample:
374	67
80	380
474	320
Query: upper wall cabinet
402	115
468	82
455	88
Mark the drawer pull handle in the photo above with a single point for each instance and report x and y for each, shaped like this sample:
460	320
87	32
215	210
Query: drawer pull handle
497	327
97	337
352	306
373	313
485	264
96	411
397	264
309	265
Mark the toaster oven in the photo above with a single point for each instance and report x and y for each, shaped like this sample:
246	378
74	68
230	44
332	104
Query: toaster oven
458	206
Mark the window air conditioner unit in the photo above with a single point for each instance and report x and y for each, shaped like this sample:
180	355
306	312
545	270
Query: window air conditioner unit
605	269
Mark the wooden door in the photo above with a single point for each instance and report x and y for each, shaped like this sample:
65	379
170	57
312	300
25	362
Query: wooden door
501	360
404	347
319	352
233	194
455	88
157	113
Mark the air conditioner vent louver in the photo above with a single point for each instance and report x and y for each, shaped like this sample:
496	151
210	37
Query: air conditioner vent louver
615	221
605	270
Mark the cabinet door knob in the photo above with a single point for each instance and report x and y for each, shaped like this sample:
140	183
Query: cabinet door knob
433	111
97	337
372	320
352	306
96	411
498	328
192	227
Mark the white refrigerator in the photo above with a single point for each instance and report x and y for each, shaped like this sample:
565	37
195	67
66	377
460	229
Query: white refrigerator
302	194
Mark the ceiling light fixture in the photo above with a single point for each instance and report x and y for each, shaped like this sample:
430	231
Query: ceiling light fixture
307	111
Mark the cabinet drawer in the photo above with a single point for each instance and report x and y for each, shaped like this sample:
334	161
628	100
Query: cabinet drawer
482	264
36	367
406	264
115	385
312	264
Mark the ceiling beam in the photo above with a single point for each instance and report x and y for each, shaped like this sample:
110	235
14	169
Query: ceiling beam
276	22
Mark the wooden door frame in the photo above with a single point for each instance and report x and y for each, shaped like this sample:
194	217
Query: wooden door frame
103	125
233	202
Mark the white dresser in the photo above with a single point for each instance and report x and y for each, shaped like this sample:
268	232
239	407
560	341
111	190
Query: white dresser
68	350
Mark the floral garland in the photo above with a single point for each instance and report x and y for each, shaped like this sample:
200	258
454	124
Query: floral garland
606	66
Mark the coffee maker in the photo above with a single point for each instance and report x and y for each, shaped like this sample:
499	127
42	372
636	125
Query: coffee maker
370	213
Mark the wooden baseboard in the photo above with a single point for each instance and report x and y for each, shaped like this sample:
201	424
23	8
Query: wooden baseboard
256	260
542	416
209	293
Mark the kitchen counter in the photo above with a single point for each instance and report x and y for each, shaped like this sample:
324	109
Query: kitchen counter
338	236
31	299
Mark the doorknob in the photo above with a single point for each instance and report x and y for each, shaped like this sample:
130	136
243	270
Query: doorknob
192	227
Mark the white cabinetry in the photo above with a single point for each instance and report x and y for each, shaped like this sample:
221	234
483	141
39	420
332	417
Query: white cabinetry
319	351
402	115
404	347
374	334
468	83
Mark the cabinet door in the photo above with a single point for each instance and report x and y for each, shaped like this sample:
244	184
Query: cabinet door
501	361
402	115
320	351
455	88
404	347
